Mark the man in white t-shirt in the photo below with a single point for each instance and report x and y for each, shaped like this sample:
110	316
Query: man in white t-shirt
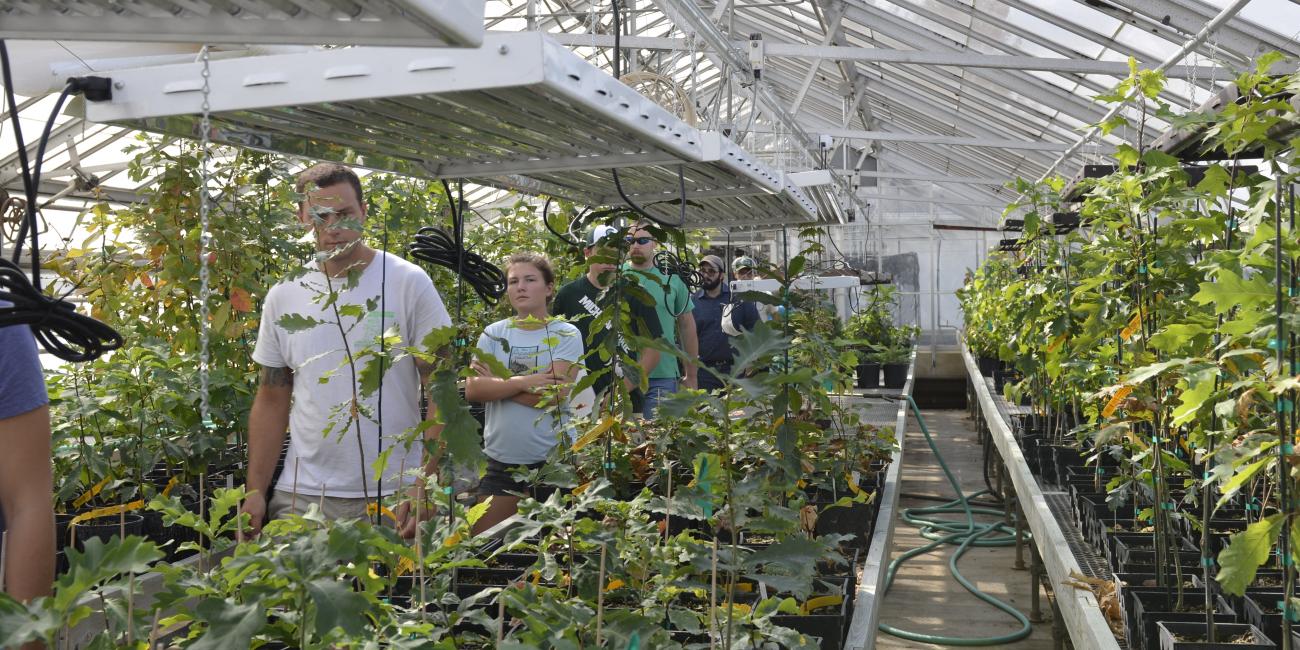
317	331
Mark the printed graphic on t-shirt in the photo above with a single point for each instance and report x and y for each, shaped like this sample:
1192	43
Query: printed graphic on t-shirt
375	324
525	360
594	309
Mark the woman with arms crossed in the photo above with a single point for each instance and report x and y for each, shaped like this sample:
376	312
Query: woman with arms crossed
539	353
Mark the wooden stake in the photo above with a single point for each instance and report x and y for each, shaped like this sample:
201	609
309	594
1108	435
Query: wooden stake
130	610
501	615
713	596
668	508
153	629
600	596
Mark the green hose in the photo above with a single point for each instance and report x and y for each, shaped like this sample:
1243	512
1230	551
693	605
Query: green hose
964	534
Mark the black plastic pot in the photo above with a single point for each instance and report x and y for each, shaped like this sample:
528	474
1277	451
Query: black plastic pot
1143	609
987	365
1169	631
829	624
868	375
104	528
1259	608
471	580
895	375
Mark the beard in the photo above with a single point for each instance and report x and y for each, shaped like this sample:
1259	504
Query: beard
710	286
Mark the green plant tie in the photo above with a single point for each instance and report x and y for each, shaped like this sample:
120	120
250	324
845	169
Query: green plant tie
1274	344
1285	405
1290	612
609	465
1142	269
1155	440
1207	562
1167	505
1252	506
446	490
634	641
1288	448
209	424
706	486
1232	223
460	342
1100	471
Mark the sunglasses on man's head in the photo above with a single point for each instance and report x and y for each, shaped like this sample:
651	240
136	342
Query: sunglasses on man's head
639	241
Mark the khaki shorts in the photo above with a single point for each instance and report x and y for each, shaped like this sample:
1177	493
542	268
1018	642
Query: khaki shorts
284	504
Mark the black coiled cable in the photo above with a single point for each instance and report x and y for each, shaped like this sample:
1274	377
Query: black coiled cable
55	323
670	264
437	246
58	327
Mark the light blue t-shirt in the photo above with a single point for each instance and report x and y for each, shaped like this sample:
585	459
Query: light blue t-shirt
518	434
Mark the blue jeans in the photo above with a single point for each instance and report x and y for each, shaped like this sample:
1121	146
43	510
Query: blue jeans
658	388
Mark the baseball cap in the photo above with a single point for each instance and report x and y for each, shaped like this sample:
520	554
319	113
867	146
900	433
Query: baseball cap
745	262
598	233
714	261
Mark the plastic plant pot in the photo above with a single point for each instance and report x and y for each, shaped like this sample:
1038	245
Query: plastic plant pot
1234	636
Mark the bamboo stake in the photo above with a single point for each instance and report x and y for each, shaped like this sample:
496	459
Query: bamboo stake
600	596
501	616
713	597
153	629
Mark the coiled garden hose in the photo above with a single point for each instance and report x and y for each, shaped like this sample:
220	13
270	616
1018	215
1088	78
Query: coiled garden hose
964	534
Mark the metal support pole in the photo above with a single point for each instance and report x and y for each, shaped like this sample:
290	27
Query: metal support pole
1020	538
1058	628
1035	584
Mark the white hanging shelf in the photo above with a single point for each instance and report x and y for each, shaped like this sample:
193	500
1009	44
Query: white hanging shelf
521	112
308	22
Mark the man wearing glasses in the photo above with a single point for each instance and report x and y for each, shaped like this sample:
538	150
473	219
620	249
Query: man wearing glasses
673	306
715	312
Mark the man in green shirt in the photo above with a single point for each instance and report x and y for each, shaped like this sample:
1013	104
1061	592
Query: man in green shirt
578	302
673	306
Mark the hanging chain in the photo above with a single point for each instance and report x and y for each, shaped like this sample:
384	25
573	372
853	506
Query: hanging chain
205	144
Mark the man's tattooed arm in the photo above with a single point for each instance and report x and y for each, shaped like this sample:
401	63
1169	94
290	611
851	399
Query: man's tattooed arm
274	377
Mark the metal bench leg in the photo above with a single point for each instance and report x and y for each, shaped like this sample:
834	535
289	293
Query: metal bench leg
1020	537
1058	628
1035	584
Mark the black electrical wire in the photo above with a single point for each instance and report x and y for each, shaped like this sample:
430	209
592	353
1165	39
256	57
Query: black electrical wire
577	224
55	323
447	249
618	184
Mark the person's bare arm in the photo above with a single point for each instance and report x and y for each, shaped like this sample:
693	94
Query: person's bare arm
690	344
268	421
648	360
408	520
26	496
486	387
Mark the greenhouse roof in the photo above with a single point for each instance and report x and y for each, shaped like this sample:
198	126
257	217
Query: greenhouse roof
914	104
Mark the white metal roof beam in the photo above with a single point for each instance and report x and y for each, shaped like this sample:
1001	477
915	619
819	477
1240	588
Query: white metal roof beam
1189	18
999	44
937	178
902	57
878	196
1016	81
979	61
931	107
927	138
834	15
689	17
